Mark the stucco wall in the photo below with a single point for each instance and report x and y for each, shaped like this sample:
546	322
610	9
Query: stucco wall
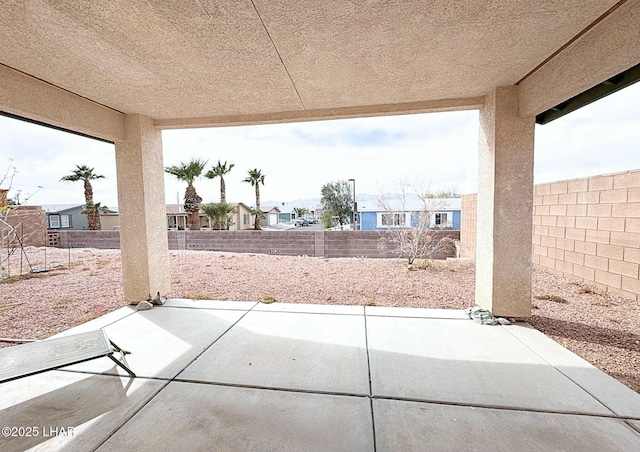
587	229
30	223
295	243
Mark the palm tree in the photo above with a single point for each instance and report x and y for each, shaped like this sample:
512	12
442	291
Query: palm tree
188	172
255	179
86	174
219	214
302	211
219	171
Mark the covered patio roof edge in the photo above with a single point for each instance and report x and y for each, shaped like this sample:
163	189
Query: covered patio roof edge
468	103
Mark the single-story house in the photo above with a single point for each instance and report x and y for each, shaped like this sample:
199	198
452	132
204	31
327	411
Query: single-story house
109	221
70	217
287	213
443	214
65	216
242	217
271	215
177	218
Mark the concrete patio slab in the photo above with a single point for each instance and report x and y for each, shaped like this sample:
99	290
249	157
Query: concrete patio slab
464	362
210	417
324	353
383	311
69	411
210	304
162	341
280	380
310	308
100	322
416	426
616	396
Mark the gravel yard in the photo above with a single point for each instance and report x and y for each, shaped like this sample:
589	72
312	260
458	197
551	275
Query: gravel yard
87	283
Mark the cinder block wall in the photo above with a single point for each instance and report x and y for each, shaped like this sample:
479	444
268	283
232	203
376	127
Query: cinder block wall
587	229
468	225
89	239
293	243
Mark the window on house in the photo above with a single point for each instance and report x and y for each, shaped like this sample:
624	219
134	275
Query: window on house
64	221
441	219
392	219
246	219
54	221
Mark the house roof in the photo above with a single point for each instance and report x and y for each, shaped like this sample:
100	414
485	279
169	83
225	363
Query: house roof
241	204
269	209
60	208
286	208
175	209
412	204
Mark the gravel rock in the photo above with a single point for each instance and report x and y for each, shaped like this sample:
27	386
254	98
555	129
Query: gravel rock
599	326
144	305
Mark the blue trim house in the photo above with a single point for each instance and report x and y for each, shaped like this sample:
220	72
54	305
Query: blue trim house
68	217
444	214
287	213
65	216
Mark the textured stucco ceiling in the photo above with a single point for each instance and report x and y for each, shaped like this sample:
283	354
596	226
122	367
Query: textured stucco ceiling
171	59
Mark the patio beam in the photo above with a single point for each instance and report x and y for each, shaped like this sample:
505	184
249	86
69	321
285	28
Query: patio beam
468	103
505	206
141	204
608	47
34	99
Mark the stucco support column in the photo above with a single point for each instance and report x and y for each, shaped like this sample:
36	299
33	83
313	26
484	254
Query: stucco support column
505	206
141	204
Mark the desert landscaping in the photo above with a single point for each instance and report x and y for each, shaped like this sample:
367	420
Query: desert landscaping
82	284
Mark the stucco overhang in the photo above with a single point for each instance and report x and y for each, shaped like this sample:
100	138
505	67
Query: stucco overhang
200	63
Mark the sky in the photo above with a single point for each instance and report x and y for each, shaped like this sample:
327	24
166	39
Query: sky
439	149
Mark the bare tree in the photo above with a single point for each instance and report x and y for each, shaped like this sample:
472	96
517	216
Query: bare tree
12	219
412	223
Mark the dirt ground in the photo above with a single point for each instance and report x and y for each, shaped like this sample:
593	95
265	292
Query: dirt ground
83	284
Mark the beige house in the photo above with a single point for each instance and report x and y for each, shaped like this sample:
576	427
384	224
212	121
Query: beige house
177	218
109	221
271	215
242	217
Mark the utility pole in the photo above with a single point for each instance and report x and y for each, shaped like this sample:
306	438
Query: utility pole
354	203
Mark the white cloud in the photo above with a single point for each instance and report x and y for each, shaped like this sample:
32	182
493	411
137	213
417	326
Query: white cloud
600	138
298	158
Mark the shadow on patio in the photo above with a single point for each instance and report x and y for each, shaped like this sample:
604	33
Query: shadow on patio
248	376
